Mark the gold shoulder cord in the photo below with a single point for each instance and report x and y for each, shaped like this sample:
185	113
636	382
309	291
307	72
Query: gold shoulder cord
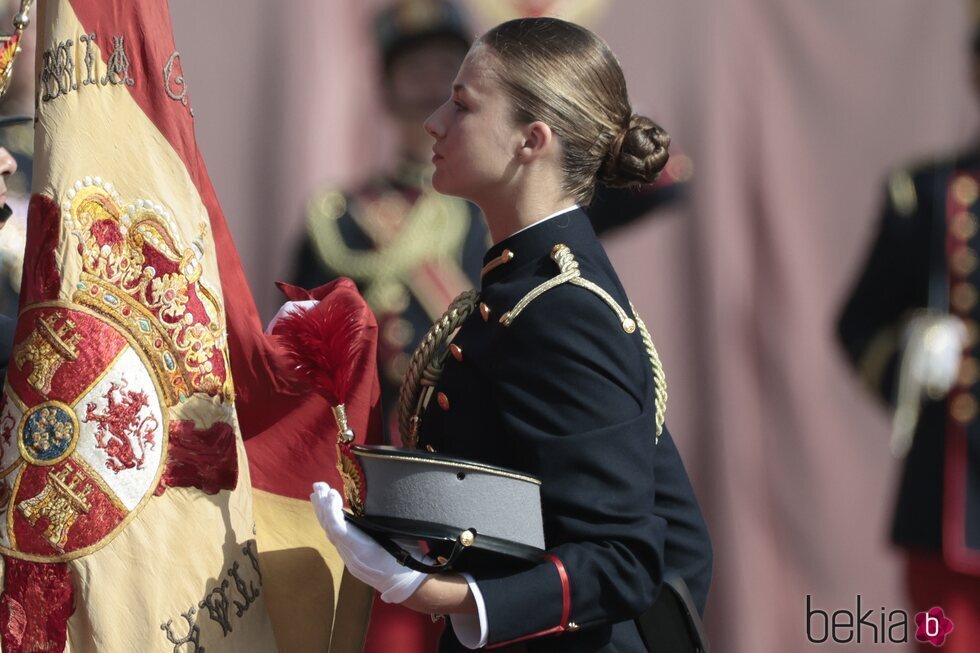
569	273
659	377
426	366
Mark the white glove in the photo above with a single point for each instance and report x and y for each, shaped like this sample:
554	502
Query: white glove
364	557
287	309
934	344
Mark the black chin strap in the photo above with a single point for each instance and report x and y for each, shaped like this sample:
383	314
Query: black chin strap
464	541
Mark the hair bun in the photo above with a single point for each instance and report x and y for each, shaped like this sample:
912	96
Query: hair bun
637	155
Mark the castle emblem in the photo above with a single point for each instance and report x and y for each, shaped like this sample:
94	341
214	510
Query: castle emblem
83	434
52	343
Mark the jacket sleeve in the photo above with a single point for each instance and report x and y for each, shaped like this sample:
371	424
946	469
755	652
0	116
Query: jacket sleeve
892	283
576	397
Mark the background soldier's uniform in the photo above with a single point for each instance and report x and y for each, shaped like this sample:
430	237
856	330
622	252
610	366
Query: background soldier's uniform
409	249
566	394
928	236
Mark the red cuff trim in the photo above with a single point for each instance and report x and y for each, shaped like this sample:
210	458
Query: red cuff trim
566	591
566	609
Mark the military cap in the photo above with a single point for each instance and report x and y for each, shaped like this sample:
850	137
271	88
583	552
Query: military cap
479	511
406	23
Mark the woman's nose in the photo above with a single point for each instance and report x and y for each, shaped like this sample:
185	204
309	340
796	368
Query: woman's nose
433	124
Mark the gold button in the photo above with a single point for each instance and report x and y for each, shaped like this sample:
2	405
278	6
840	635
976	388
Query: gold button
442	400
456	352
556	249
963	408
484	311
629	326
969	372
964	297
963	225
965	190
964	261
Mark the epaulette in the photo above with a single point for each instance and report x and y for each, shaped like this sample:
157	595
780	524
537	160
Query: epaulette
569	273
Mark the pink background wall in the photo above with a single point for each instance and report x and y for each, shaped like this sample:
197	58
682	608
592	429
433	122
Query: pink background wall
793	111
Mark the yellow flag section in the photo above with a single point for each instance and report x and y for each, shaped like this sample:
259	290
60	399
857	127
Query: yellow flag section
126	497
305	582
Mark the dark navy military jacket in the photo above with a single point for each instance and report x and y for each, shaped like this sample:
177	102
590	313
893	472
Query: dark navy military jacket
928	236
566	394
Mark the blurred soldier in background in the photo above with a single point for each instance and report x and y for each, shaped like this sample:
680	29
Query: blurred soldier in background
910	327
410	249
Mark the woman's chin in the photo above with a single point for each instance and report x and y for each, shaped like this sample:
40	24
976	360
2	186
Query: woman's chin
445	184
441	184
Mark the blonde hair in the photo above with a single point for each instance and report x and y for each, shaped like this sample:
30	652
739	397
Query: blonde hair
567	77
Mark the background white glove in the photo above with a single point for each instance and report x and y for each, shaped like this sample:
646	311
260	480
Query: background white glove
934	345
364	557
287	308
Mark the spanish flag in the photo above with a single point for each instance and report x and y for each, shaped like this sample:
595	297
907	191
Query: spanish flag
129	521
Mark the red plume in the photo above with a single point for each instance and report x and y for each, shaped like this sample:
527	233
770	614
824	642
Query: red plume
329	342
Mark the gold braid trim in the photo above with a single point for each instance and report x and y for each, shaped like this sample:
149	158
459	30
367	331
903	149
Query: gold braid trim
569	273
435	229
561	255
426	366
659	377
629	326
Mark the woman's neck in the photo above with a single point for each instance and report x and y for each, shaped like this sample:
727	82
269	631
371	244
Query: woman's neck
504	219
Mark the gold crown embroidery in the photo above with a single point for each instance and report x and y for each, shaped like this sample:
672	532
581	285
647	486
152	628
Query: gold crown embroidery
120	249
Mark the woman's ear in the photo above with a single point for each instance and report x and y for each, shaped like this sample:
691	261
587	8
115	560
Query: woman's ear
537	141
